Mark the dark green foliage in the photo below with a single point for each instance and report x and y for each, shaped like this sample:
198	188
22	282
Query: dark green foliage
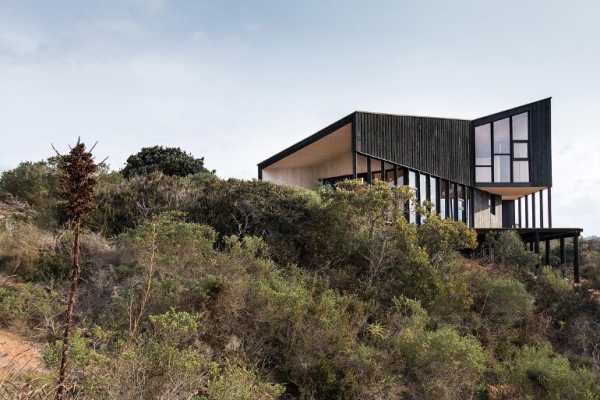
248	290
171	161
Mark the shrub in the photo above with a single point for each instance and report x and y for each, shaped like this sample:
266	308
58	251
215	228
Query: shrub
167	160
537	372
509	250
33	182
503	301
30	306
238	382
443	364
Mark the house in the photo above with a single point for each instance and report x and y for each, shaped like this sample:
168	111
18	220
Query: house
493	173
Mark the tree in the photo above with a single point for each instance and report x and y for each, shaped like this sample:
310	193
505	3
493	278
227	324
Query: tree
168	160
29	181
77	182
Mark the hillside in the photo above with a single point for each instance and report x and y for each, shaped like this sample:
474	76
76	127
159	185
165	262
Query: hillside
194	287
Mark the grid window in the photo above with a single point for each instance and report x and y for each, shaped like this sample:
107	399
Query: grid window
483	145
521	171
502	150
520	150
520	124
502	168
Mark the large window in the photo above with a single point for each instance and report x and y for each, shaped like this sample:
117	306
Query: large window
502	150
412	184
443	198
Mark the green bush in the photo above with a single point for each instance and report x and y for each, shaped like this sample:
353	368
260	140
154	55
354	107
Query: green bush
167	160
537	372
28	306
509	250
442	363
503	301
238	382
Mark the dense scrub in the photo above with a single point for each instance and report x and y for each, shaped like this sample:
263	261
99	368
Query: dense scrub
200	288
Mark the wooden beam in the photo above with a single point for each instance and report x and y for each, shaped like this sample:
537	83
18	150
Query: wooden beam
369	171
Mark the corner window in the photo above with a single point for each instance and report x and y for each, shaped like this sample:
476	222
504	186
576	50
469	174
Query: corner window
502	150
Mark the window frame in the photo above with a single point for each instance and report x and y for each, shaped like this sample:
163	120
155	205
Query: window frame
511	152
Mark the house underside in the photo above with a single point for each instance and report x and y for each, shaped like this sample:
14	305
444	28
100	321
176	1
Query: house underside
492	173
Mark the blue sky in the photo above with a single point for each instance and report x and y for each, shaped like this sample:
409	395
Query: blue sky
237	81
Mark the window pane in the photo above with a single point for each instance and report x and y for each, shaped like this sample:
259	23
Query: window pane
400	181
502	136
461	202
433	183
483	174
412	183
520	150
443	198
521	171
483	145
520	126
501	168
468	205
389	174
423	192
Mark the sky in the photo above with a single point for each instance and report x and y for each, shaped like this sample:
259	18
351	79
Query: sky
236	82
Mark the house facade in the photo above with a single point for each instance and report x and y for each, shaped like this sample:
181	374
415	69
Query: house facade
492	173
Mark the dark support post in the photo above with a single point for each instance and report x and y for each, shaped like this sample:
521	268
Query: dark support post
382	177
419	196
405	180
533	210
536	249
527	211
395	175
369	171
455	211
563	257
576	258
519	207
428	187
259	173
464	214
354	174
547	253
438	206
541	209
549	207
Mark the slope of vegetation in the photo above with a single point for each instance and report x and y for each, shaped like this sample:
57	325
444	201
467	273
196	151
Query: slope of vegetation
199	288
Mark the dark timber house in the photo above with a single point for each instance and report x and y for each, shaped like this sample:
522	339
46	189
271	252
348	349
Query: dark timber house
493	173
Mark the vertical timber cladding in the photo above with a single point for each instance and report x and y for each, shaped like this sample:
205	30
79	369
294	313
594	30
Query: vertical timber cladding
540	135
437	146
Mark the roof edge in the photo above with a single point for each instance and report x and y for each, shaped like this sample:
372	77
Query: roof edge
510	110
309	140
